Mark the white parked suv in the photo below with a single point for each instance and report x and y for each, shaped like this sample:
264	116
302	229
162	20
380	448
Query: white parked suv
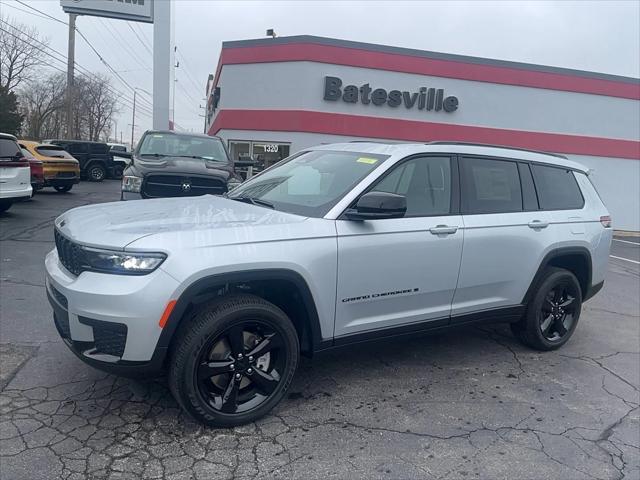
336	244
15	173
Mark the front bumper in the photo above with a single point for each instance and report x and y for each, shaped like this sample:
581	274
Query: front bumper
110	321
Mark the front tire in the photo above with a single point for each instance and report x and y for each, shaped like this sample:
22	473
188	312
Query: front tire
96	172
553	312
233	361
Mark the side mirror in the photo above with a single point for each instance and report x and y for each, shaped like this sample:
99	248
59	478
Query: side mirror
377	205
120	153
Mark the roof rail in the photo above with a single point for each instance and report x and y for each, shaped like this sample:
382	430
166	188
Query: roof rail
471	144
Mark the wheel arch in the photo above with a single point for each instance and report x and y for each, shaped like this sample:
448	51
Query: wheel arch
575	259
212	286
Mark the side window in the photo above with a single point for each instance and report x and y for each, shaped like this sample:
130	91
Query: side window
424	181
557	188
98	148
490	186
77	148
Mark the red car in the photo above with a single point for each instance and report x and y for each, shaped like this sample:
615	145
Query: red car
37	170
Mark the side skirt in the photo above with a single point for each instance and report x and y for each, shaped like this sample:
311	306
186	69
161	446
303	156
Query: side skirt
495	315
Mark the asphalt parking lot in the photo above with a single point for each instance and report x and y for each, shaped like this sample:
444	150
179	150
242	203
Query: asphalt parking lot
470	404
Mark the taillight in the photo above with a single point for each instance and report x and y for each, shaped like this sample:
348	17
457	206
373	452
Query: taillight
605	220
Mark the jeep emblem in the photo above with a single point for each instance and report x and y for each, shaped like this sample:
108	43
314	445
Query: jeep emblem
186	187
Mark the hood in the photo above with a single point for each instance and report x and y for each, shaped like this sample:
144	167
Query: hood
117	224
183	166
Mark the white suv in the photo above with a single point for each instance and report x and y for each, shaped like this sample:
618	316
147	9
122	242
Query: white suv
15	173
336	244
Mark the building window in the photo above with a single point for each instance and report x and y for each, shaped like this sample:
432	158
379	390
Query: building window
259	154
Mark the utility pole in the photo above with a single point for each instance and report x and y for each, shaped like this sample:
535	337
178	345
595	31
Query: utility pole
70	65
133	122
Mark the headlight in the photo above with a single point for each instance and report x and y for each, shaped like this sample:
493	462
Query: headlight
233	183
131	184
133	263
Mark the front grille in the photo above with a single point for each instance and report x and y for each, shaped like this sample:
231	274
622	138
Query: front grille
109	338
69	253
155	186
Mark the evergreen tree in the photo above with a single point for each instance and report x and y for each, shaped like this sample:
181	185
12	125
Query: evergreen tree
10	118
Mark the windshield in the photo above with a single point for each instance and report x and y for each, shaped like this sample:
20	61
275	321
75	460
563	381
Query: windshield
176	145
53	151
310	183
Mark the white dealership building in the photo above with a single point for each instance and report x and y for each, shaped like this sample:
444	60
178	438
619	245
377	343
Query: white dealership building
271	97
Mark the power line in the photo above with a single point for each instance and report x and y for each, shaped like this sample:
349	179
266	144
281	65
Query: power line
186	70
144	35
24	11
63	60
116	35
85	39
41	12
140	39
118	76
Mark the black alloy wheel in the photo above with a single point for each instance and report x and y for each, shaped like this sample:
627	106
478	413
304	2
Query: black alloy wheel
557	312
233	360
96	173
553	312
242	367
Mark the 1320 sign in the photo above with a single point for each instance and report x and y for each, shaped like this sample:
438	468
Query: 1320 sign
424	99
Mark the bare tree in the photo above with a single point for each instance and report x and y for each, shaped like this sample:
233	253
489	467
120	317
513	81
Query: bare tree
43	107
20	53
99	106
42	101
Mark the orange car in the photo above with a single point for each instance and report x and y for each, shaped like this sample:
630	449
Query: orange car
61	170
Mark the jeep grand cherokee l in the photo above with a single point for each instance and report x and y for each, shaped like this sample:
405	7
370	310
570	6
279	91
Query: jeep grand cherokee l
336	244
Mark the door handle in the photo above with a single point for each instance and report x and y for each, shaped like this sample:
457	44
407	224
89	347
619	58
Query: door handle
535	224
443	230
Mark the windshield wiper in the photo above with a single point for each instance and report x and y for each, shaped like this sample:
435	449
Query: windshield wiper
254	201
199	157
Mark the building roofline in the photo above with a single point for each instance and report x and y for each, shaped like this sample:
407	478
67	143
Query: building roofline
298	39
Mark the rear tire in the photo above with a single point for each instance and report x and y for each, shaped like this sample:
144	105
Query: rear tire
63	188
552	314
96	172
233	360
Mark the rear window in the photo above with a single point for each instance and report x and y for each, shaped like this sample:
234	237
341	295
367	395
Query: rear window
557	188
53	151
9	149
490	186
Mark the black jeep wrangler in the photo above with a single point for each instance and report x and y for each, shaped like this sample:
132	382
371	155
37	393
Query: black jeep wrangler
95	158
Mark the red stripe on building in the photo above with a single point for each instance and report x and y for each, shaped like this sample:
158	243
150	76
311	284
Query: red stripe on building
425	66
411	130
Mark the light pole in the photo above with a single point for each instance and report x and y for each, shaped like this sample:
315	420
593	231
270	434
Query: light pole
133	121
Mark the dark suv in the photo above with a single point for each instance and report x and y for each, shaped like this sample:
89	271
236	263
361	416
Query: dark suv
171	164
95	158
